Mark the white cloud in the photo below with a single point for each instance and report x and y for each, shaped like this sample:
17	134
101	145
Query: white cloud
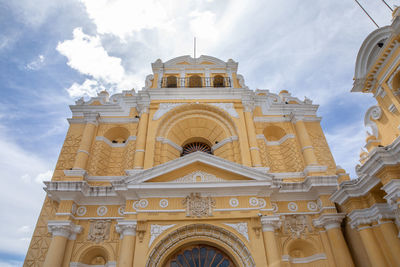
10	263
86	54
123	17
36	64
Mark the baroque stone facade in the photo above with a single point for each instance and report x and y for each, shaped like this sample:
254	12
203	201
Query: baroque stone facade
259	187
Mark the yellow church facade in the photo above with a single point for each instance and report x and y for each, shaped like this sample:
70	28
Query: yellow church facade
196	169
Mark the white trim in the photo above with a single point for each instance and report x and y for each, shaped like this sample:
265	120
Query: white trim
165	140
354	188
369	215
78	264
315	257
223	142
111	144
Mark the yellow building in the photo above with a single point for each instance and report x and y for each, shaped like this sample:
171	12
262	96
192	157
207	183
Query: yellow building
196	169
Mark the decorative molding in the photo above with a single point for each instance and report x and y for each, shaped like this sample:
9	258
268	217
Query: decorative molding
164	108
156	230
274	207
315	257
262	203
275	143
373	113
354	188
165	140
99	230
78	264
223	142
198	177
111	144
192	232
392	189
197	206
66	229
121	210
241	228
228	107
376	212
126	227
329	220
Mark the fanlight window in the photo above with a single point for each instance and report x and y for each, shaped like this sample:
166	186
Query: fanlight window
172	82
219	81
196	146
200	256
195	81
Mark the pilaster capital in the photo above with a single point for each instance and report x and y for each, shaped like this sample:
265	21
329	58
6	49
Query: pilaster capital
329	220
248	106
91	117
392	189
270	223
367	216
126	227
143	108
64	228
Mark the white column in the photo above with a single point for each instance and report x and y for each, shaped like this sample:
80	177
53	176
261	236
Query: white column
61	232
269	225
331	223
127	231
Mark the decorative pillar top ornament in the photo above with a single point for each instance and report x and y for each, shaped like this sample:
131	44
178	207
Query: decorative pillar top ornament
296	225
329	220
197	206
127	227
270	223
91	117
248	106
64	228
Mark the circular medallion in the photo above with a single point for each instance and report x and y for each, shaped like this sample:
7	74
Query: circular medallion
143	203
253	201
135	205
102	210
234	202
274	207
121	210
262	203
292	206
164	203
312	206
81	211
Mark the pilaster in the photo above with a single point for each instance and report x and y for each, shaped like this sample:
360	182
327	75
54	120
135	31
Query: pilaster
127	231
269	225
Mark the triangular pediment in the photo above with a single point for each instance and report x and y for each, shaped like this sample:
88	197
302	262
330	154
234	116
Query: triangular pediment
198	167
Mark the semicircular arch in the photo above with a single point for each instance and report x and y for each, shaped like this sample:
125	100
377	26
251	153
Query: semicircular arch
200	233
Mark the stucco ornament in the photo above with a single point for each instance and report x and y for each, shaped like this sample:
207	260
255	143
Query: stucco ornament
296	225
228	107
241	228
164	108
198	206
99	230
156	230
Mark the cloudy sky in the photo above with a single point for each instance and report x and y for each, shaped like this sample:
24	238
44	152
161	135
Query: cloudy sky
53	52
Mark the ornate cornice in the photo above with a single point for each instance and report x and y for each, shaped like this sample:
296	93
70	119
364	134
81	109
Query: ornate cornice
354	188
392	189
372	214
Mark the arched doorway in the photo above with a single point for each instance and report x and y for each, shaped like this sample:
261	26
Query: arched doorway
199	256
189	237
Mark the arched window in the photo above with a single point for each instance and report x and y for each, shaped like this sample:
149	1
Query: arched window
200	255
196	146
172	82
195	81
219	81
